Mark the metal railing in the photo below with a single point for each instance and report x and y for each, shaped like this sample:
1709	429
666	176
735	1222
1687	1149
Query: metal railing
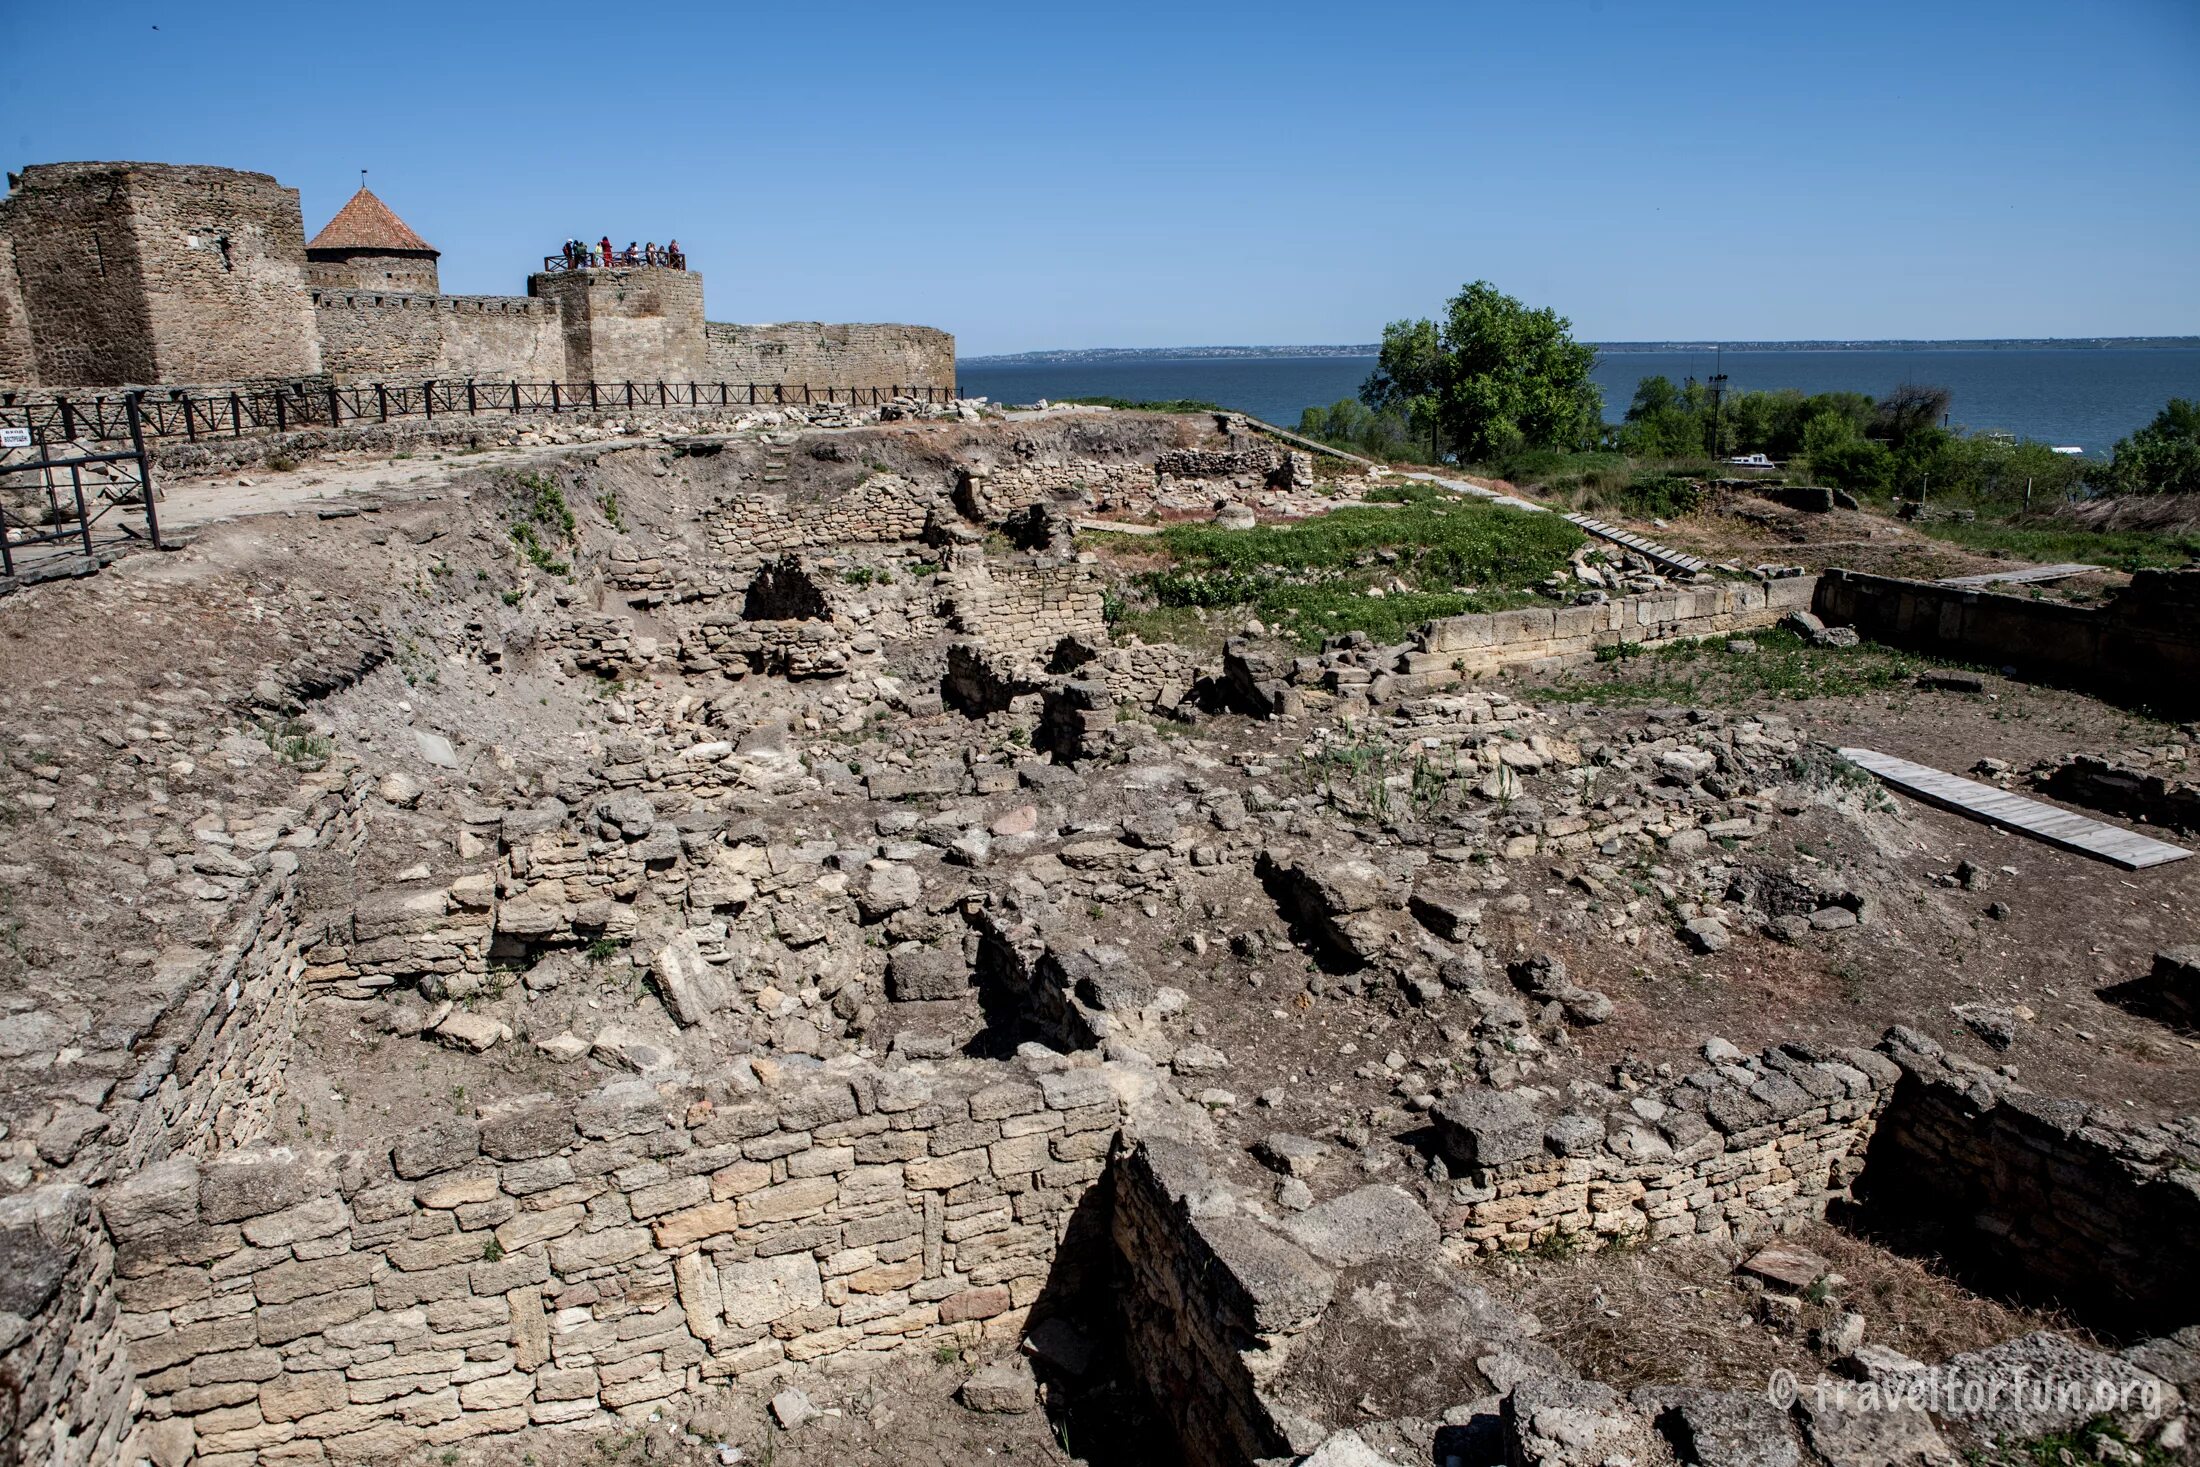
52	508
193	415
620	260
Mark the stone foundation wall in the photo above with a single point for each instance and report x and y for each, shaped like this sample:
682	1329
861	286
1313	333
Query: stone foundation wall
1142	675
548	1262
67	1370
2168	796
992	495
883	509
1207	1304
1025	613
210	1058
2051	1199
1730	1151
1547	638
2144	644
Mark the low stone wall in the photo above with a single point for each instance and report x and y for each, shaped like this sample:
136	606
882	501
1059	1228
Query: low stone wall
210	1057
2144	644
883	509
1543	638
487	430
2167	797
548	1262
1025	613
1146	675
991	495
210	1054
1731	1150
2050	1199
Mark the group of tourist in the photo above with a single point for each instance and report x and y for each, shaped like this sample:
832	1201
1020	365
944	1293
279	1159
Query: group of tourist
581	255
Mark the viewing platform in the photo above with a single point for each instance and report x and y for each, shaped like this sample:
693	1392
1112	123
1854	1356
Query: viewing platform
620	260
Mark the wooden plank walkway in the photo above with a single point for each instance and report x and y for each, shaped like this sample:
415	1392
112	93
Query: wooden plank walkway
2055	826
2027	576
1649	549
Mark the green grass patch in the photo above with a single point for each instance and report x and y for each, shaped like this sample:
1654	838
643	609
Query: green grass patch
1784	667
295	742
1320	577
2127	550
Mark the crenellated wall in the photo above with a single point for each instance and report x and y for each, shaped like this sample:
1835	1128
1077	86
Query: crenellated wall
115	274
369	336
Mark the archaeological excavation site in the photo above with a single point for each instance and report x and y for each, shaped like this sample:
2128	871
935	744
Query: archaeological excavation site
894	931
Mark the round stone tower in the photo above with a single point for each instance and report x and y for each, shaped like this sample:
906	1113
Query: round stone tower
367	247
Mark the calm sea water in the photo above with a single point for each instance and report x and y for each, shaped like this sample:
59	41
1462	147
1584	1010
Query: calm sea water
2089	398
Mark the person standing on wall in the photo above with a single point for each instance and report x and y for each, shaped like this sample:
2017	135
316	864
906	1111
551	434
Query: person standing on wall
607	252
673	257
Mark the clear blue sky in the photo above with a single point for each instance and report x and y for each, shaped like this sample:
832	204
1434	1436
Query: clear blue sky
1034	175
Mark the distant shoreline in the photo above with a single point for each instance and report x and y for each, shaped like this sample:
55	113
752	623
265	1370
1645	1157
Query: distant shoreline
1369	349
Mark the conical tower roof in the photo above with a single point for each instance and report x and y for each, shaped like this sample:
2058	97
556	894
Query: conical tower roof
366	223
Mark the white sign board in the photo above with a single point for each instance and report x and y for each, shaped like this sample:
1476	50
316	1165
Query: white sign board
15	437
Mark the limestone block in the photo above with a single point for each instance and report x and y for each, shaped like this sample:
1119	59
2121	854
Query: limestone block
764	1290
242	1184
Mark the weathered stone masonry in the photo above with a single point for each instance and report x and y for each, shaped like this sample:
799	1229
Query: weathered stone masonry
210	1056
545	1262
1728	1151
2051	1198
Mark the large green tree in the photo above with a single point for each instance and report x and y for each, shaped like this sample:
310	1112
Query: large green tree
2164	456
1494	376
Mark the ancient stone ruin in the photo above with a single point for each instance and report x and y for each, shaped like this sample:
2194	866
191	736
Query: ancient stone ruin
728	941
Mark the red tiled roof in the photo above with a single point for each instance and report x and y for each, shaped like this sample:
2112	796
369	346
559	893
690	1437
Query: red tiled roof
366	223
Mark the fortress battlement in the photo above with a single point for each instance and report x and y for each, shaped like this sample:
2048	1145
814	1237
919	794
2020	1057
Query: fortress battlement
157	273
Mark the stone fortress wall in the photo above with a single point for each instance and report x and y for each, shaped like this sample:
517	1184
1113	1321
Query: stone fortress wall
365	336
147	272
117	274
825	355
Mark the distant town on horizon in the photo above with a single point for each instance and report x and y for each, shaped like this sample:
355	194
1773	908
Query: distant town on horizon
1369	349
